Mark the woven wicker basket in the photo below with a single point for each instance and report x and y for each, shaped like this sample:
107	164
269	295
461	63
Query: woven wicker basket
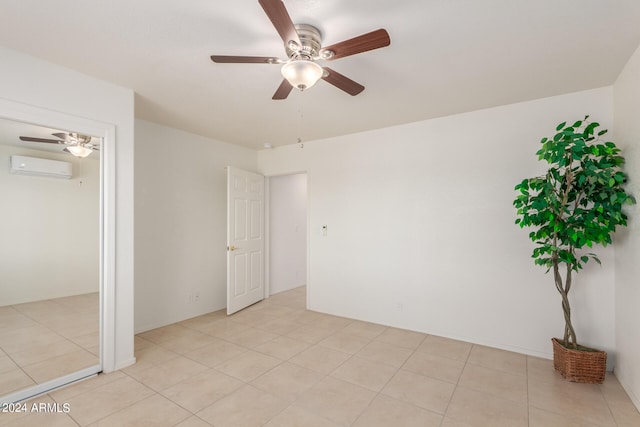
578	365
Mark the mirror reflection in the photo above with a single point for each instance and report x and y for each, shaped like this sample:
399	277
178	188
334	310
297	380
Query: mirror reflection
49	254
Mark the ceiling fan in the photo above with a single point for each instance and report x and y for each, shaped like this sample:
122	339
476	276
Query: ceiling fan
303	46
76	143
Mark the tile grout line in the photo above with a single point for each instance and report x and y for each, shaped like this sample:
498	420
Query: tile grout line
456	385
526	365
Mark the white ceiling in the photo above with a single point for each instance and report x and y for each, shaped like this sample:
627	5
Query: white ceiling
446	57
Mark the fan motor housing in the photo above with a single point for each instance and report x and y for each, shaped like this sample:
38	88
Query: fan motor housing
311	41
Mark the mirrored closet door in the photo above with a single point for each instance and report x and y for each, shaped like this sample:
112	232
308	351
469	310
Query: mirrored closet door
49	257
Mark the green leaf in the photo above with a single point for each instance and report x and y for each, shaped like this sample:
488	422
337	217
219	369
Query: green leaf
561	125
588	130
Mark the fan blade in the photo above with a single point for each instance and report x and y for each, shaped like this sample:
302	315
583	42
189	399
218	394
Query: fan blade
342	82
280	19
64	136
51	141
283	90
223	59
370	41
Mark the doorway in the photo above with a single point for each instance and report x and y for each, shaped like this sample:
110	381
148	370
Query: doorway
287	213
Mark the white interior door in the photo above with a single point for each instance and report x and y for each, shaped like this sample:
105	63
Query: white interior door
245	239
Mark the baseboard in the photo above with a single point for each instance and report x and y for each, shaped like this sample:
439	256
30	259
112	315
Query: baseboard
166	322
125	363
629	391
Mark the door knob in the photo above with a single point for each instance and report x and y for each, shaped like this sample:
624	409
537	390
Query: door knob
231	248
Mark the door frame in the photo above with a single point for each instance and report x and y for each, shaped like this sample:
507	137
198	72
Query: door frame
12	110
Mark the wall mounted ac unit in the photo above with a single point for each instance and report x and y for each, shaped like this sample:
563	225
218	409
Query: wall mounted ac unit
23	165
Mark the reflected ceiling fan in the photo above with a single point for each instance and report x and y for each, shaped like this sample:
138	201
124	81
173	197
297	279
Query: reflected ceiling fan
76	143
303	45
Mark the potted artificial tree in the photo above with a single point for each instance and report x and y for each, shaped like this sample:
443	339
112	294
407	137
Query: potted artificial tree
577	203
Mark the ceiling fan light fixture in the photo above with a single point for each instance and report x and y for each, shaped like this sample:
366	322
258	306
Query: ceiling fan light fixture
79	150
301	73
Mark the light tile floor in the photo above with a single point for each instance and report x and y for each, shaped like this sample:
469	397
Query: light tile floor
276	364
47	339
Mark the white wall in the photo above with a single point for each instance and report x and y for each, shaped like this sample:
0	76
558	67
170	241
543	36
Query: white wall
50	230
287	232
421	230
627	134
181	223
27	80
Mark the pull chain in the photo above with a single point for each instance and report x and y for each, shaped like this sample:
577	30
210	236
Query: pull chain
80	172
300	118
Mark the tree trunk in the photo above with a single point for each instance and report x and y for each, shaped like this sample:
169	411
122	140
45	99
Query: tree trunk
563	289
